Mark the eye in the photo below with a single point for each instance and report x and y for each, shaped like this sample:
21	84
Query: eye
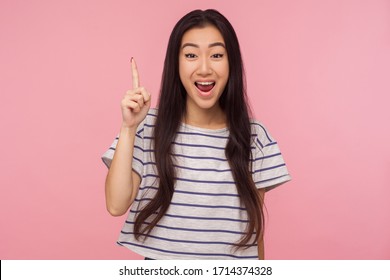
190	55
217	55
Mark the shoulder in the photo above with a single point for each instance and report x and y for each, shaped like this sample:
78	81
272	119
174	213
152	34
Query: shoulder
148	123
261	135
151	116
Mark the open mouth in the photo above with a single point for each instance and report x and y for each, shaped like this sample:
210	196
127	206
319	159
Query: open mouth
205	86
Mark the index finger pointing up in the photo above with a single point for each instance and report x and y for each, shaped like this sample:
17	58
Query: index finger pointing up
134	71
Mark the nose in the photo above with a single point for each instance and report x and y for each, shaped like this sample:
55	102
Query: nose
204	67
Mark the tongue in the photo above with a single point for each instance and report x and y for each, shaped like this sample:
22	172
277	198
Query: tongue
205	88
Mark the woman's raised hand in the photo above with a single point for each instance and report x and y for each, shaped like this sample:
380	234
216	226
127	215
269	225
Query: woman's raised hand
136	102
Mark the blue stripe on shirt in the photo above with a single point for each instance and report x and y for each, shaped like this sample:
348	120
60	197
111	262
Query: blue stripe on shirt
184	241
197	217
264	157
198	146
195	205
193	193
202	169
192	229
268	168
275	178
195	157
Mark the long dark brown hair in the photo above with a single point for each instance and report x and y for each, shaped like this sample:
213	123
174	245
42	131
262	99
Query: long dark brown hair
172	108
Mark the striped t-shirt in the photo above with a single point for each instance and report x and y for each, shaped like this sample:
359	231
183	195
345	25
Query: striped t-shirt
205	218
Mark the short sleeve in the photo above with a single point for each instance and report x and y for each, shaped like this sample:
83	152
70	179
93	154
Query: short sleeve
138	155
269	169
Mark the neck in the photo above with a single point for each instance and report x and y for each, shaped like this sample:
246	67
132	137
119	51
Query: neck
213	118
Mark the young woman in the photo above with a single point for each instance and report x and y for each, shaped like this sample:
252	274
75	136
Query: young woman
194	171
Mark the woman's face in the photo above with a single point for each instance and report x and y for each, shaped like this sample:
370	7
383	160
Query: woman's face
203	67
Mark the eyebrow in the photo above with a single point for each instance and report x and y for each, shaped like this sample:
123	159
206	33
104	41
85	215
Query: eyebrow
197	46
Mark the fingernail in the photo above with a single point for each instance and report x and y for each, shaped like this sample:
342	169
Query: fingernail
131	60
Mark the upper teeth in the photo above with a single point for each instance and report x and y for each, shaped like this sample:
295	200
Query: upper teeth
205	83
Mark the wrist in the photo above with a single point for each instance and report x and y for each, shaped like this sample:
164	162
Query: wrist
126	130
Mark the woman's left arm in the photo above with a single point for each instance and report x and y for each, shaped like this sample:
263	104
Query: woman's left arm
260	242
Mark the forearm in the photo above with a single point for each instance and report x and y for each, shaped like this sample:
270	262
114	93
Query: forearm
119	182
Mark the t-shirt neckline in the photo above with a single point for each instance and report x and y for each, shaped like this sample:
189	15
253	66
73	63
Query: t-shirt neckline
205	130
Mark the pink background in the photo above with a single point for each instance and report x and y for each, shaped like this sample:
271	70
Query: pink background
318	77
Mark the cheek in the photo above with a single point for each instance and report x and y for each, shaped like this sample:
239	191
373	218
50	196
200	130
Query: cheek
184	70
223	70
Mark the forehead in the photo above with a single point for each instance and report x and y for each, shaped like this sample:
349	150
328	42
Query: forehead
202	35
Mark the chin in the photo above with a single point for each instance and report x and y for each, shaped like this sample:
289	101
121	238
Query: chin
207	105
